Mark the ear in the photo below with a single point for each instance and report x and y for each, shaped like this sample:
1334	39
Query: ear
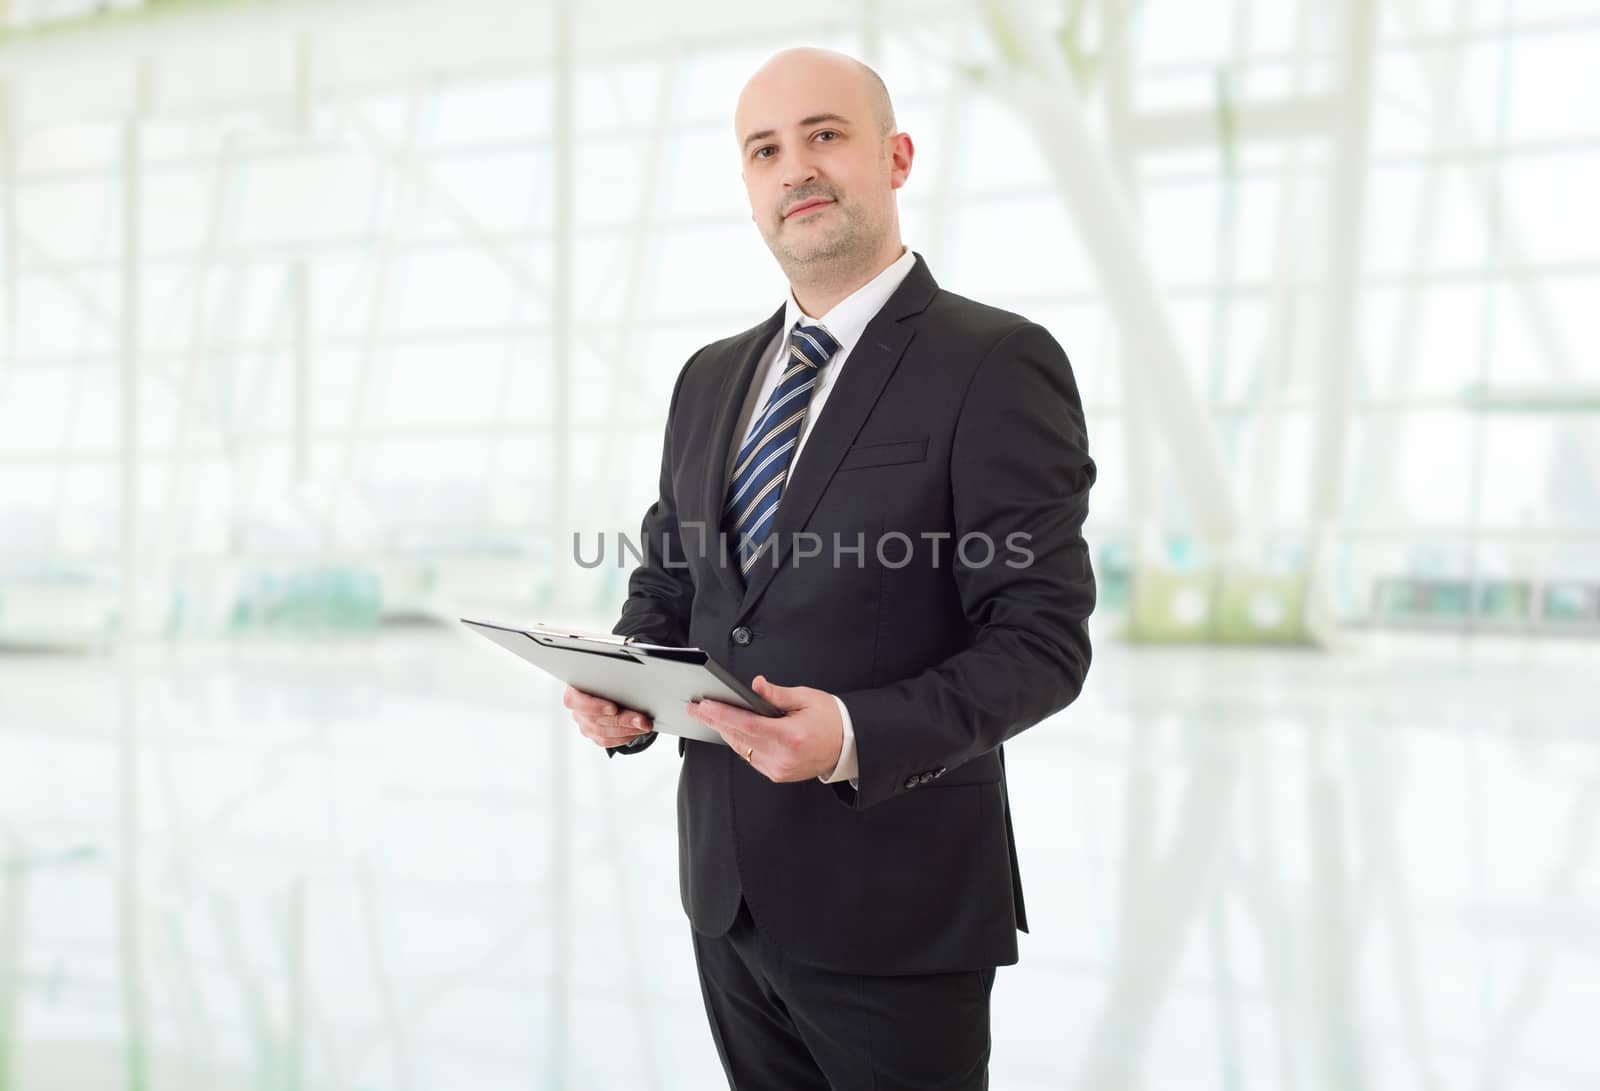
901	153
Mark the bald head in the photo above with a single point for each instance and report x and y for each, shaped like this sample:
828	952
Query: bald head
807	66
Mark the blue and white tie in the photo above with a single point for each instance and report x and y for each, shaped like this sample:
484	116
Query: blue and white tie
756	484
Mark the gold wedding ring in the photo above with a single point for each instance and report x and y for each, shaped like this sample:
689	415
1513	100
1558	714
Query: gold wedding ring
747	756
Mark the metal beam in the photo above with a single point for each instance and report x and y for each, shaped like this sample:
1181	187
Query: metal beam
1375	456
1559	357
1138	445
130	915
560	889
196	366
1278	338
640	257
406	183
129	336
1342	316
300	290
1284	119
1037	83
8	229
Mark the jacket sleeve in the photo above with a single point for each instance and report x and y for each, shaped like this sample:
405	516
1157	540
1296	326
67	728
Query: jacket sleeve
1020	473
660	588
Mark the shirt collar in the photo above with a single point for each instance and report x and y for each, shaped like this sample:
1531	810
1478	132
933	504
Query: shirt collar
849	317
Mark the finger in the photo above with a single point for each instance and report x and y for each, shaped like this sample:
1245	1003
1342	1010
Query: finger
579	701
787	698
701	711
636	722
715	714
746	746
739	728
609	735
596	706
626	717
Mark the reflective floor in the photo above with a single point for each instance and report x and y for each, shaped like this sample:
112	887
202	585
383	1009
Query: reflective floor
344	865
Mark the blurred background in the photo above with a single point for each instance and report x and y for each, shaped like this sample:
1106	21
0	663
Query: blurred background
327	323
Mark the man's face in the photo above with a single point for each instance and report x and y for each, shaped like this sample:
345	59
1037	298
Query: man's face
818	171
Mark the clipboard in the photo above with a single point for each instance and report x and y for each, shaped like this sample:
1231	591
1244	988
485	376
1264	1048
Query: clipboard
654	679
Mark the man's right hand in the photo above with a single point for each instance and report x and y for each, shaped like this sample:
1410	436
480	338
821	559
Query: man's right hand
602	722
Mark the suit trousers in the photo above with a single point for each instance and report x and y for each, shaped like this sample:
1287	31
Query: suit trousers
782	1025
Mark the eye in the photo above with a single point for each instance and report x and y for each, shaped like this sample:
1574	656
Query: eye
829	132
757	153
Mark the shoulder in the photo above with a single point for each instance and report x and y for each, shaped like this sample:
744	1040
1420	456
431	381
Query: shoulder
973	323
968	330
711	364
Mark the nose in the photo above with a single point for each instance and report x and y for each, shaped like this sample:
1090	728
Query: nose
798	171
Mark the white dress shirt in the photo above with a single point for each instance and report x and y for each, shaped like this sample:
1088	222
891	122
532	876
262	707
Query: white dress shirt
846	322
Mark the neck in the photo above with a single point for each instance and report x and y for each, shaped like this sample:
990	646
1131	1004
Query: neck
818	291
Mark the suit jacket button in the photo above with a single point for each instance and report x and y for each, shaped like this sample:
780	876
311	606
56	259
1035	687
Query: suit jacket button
741	636
912	782
939	772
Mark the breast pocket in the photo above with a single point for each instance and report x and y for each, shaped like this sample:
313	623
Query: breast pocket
863	455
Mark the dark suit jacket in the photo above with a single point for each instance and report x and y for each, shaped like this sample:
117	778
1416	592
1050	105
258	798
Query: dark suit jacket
949	417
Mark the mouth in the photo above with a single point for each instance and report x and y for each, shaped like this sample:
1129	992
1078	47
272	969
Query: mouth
801	210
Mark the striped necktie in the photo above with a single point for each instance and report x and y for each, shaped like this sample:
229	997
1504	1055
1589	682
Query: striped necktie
763	465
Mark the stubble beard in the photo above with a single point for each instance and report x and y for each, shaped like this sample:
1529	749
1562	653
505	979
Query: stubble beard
819	260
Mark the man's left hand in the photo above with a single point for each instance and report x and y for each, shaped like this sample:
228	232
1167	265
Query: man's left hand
802	744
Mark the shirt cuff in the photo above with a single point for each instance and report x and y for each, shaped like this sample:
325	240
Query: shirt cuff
847	768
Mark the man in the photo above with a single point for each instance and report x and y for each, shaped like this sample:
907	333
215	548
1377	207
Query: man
848	868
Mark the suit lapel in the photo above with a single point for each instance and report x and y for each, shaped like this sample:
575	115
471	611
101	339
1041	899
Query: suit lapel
866	372
746	355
